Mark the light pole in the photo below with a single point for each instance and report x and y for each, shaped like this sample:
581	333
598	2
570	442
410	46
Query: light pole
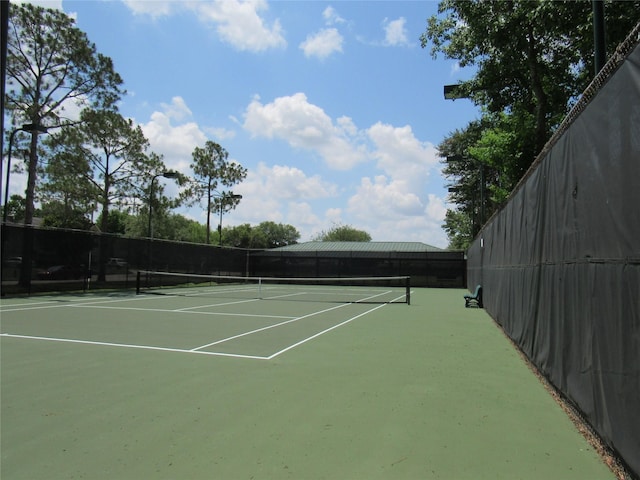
222	197
34	129
168	174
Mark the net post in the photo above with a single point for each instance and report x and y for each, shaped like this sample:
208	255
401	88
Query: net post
138	282
408	289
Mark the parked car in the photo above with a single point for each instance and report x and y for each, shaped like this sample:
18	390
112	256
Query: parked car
62	272
14	261
117	262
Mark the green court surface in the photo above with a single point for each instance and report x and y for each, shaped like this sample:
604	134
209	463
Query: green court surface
161	387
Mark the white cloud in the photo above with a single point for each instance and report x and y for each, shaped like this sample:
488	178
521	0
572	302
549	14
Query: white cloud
220	133
436	208
174	140
280	194
319	224
334	215
239	24
347	125
382	198
305	126
53	4
394	205
292	183
388	211
323	43
401	155
331	17
152	8
390	203
301	213
395	32
177	109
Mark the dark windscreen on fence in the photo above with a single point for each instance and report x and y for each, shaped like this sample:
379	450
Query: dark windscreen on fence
426	269
42	260
560	263
45	260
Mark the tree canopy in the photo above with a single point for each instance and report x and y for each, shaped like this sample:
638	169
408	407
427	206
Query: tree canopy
533	60
343	233
102	160
265	235
50	65
212	168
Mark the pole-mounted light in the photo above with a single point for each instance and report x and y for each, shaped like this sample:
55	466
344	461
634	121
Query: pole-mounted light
168	174
222	197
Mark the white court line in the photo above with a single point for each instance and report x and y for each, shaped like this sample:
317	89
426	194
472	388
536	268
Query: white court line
323	332
211	291
268	327
164	310
70	303
331	328
3	306
125	345
284	295
199	350
96	303
216	305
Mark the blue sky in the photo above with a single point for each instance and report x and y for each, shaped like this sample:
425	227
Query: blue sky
333	107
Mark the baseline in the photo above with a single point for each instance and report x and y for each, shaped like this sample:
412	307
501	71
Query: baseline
126	345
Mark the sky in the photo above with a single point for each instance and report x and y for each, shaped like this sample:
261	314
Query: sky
333	107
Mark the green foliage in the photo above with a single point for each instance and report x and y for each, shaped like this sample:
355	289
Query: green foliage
498	151
167	226
66	194
117	221
243	236
525	53
343	233
64	215
278	234
183	229
459	229
212	168
265	235
533	59
102	161
14	209
51	63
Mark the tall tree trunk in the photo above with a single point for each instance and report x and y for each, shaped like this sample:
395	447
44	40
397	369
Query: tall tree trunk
27	238
104	225
209	211
540	96
32	173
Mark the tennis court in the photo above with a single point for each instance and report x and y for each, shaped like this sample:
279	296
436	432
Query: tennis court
193	385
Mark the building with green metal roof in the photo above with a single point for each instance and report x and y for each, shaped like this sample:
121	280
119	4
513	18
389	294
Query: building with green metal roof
359	247
425	264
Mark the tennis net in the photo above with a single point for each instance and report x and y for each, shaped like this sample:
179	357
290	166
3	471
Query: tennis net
334	290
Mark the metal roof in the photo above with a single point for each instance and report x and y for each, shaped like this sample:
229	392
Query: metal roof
359	247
